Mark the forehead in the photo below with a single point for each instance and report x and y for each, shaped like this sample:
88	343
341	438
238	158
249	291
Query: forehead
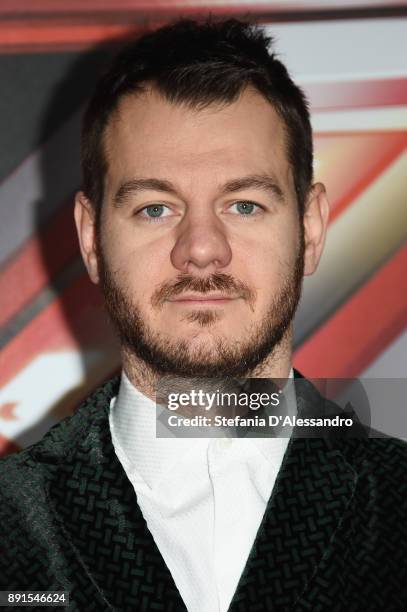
147	134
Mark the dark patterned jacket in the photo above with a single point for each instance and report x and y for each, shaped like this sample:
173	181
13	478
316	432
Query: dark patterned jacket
333	537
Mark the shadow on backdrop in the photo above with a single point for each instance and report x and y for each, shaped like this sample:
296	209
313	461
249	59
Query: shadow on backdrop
82	333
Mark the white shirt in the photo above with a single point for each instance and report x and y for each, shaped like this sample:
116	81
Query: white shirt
203	499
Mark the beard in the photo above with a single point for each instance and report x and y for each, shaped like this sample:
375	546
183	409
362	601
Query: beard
224	358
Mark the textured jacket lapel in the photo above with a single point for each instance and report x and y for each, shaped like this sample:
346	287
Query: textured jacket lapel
95	506
314	488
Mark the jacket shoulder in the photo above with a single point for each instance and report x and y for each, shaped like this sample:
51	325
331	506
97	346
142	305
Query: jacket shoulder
60	442
388	453
383	461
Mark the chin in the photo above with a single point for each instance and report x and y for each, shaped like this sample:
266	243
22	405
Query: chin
197	338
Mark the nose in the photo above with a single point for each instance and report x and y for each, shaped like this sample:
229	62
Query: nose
201	245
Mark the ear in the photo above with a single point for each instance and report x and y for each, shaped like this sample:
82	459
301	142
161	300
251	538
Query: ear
85	226
315	226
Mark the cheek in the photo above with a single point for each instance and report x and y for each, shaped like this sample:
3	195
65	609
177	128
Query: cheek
272	255
137	268
119	245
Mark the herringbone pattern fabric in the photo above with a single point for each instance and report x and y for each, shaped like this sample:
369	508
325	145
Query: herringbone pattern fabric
333	538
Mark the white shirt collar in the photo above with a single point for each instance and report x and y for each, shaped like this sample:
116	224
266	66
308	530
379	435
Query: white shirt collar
148	459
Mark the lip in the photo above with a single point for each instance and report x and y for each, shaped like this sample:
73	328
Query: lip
215	299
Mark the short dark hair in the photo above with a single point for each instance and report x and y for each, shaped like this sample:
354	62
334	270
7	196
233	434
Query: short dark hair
198	63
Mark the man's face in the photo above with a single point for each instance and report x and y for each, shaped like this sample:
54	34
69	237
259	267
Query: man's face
201	247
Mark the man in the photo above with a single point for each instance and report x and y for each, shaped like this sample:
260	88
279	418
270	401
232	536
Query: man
198	219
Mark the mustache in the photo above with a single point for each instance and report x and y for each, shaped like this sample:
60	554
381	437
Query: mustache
215	282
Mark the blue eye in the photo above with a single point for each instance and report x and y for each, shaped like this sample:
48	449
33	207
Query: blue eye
156	210
245	208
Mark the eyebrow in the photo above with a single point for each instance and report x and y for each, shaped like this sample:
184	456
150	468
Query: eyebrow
261	182
141	184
